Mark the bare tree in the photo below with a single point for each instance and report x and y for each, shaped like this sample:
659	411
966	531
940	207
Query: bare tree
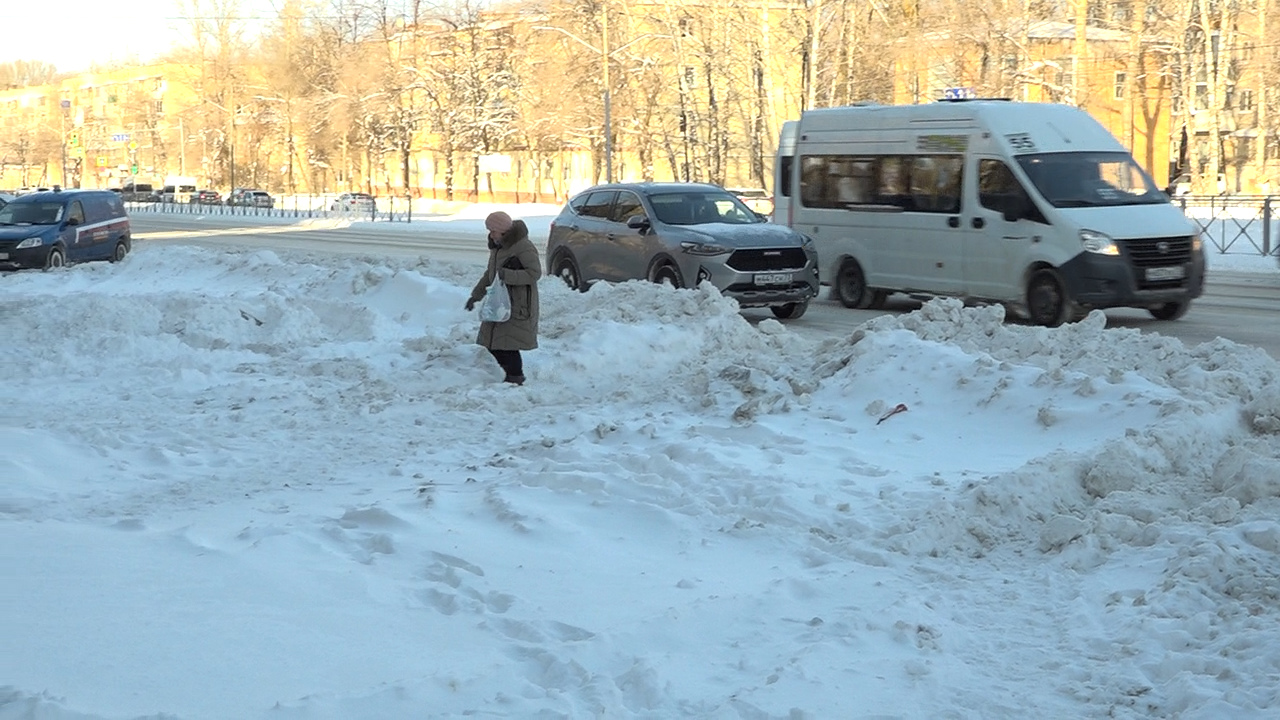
25	73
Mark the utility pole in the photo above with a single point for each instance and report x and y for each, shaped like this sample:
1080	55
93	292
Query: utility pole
1079	56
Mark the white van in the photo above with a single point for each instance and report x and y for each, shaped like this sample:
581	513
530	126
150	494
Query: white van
1032	205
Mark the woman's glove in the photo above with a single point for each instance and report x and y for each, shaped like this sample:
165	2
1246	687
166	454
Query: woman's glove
471	305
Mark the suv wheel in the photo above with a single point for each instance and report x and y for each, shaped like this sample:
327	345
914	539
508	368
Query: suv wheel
1169	311
567	270
790	311
667	274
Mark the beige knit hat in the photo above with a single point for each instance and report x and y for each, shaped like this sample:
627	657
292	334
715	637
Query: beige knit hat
498	222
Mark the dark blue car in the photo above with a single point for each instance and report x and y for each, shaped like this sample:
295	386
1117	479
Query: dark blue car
59	227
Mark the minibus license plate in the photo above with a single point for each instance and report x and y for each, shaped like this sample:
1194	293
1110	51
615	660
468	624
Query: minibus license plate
773	278
1175	272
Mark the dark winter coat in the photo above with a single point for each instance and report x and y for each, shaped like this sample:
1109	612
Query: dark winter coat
515	261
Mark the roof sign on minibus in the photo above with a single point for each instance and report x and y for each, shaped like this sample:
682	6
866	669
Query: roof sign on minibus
942	143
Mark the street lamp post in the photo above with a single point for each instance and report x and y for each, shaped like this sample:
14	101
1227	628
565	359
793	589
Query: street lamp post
608	121
65	105
605	53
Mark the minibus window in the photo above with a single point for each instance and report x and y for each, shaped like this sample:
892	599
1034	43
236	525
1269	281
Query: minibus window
999	190
785	164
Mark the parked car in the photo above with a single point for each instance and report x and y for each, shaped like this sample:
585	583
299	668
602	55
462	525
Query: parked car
682	234
355	202
206	197
29	190
249	197
758	199
51	229
139	192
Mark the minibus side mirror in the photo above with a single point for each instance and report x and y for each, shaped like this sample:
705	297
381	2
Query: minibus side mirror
1015	208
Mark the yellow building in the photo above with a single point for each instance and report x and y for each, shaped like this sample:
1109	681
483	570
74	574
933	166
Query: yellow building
94	129
1095	72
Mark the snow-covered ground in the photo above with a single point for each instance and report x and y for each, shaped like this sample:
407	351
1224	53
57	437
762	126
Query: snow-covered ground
253	484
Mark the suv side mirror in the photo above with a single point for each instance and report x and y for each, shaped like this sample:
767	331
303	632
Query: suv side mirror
638	222
72	221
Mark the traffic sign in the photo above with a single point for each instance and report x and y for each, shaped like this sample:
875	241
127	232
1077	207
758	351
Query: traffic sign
102	161
120	137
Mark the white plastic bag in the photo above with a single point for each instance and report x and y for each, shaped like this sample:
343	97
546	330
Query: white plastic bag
496	306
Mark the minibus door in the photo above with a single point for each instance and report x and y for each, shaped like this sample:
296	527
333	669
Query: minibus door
1003	225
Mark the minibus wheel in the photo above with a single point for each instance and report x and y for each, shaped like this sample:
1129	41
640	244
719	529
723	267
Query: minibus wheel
850	286
1169	311
1047	302
121	250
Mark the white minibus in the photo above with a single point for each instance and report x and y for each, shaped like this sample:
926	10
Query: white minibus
1031	205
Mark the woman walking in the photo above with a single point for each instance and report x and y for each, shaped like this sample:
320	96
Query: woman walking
514	260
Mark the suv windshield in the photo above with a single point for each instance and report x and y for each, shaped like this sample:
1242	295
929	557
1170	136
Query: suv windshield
1090	179
698	208
31	213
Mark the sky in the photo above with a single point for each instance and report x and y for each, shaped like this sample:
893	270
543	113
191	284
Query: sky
246	483
103	33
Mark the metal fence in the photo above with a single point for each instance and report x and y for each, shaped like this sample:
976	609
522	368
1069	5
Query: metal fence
1236	224
298	207
1240	224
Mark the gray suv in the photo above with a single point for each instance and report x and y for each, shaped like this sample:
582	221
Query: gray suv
683	234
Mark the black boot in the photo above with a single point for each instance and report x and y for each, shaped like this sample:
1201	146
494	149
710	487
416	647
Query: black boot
514	379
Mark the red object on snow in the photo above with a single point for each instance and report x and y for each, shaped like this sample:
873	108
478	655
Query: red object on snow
899	409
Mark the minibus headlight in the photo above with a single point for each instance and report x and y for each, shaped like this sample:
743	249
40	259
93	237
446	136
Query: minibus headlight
1101	243
30	242
1196	242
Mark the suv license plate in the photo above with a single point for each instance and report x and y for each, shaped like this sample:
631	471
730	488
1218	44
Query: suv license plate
772	278
1175	272
4	256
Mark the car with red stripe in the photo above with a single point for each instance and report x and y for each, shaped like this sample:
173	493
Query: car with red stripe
61	227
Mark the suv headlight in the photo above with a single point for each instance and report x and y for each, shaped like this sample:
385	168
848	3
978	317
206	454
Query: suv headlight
806	242
1101	243
30	242
697	248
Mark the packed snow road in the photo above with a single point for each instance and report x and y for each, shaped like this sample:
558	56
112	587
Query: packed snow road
1239	306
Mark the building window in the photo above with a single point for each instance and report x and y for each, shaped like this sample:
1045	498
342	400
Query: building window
1202	96
1122	79
1246	99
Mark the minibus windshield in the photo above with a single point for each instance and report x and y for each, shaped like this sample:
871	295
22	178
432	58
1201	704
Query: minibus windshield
1090	179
